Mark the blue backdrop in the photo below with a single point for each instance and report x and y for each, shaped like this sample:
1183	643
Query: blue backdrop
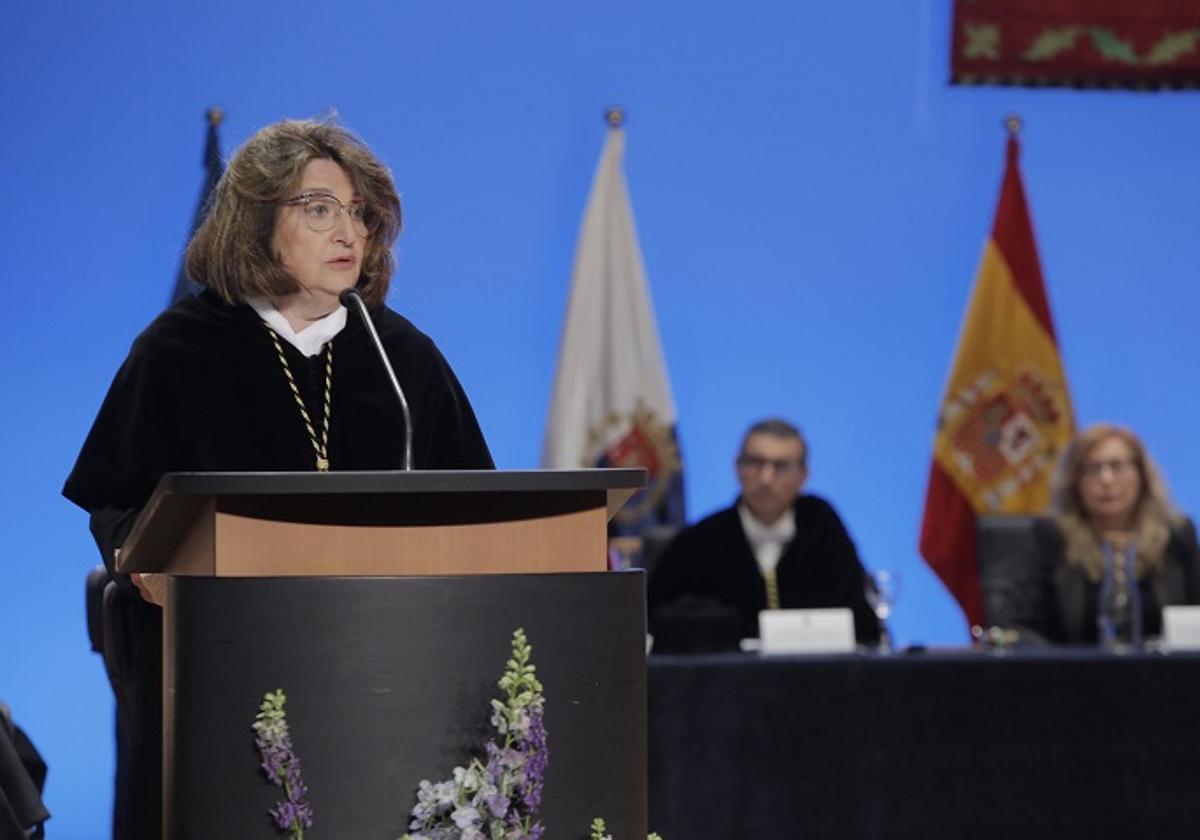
811	195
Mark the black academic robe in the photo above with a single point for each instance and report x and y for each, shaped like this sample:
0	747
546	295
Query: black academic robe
818	568
203	390
22	777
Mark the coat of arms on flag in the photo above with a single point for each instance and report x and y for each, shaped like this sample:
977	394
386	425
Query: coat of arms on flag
639	439
1002	433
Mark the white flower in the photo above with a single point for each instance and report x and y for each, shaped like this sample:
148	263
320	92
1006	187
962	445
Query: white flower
467	778
466	818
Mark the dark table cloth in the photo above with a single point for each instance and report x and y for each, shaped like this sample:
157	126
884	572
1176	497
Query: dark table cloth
1063	743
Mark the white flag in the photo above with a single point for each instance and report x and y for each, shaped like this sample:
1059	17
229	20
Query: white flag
612	403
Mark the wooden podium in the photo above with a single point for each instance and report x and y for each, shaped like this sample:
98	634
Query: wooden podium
383	604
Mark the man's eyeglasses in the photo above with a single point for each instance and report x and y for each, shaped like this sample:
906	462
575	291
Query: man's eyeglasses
756	463
1116	466
321	212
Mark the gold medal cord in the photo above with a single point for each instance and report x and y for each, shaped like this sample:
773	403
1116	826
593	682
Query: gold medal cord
772	590
320	448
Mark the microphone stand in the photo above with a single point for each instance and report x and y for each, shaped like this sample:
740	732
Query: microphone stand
344	298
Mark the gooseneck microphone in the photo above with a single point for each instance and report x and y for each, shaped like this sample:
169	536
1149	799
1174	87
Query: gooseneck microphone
344	299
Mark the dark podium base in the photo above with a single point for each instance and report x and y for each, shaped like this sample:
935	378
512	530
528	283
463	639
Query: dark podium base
388	682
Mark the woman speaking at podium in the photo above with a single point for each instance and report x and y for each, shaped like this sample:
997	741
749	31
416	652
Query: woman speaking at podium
264	370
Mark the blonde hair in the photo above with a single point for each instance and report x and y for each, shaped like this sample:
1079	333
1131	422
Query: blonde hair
1154	514
231	252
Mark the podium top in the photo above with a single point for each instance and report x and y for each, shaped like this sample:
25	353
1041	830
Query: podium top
614	481
367	498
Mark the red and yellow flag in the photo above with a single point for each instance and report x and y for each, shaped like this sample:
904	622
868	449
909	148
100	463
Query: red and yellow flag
1006	414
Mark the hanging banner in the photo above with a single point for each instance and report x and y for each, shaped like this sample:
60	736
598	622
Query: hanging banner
1139	44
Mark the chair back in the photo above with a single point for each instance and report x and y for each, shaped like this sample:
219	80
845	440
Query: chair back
1003	548
97	579
655	539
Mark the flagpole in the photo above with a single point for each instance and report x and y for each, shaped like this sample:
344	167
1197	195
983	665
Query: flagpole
614	116
1013	124
213	168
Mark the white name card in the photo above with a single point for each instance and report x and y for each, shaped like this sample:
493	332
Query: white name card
1181	628
807	631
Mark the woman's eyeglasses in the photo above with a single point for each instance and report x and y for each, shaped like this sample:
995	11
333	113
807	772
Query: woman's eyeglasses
321	212
1116	466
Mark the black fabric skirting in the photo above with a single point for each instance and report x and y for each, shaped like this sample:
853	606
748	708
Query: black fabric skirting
1044	744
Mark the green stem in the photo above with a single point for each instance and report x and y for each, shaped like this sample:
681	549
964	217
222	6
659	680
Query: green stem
297	829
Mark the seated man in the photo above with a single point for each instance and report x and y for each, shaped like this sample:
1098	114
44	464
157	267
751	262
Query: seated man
775	548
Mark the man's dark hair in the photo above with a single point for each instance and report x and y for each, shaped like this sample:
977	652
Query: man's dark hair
780	428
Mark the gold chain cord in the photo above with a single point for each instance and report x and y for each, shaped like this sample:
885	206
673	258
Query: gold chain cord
772	590
321	448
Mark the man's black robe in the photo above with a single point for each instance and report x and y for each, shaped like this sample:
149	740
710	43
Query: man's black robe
203	390
818	568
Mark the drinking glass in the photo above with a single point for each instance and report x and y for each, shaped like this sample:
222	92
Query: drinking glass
882	591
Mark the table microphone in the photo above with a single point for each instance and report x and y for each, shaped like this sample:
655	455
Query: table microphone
344	299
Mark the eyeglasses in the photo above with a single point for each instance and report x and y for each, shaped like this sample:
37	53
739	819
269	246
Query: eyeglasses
1116	466
756	463
321	212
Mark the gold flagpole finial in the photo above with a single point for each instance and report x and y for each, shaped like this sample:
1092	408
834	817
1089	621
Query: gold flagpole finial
214	115
614	115
1013	123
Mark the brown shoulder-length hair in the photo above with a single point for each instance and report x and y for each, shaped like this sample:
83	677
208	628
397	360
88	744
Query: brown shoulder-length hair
1155	515
231	252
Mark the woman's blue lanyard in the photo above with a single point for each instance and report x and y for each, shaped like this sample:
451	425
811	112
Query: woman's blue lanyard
1131	584
1130	557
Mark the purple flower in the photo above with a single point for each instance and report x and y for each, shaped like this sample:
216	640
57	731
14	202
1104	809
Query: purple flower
281	765
498	804
499	796
538	758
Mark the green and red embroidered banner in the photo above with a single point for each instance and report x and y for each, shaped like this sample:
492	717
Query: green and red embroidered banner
1144	44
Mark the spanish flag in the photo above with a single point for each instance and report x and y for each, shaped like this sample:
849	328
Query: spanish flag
1006	413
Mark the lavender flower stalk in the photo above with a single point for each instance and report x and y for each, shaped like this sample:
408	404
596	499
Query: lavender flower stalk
292	814
497	798
599	832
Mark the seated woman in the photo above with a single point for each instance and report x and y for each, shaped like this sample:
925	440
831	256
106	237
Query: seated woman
1113	553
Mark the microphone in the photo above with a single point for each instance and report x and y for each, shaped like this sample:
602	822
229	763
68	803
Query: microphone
344	299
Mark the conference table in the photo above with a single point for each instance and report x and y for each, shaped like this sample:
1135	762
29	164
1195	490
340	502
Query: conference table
1054	743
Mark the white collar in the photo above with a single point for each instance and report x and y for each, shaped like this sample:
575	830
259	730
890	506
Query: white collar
758	532
309	340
